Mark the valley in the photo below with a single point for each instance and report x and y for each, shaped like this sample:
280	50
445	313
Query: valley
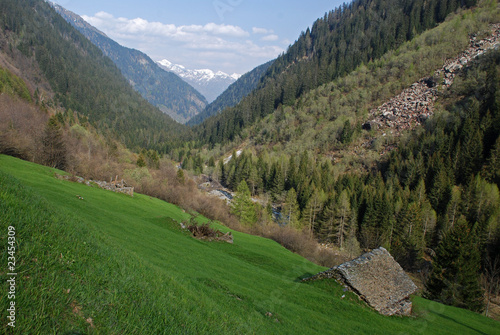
377	129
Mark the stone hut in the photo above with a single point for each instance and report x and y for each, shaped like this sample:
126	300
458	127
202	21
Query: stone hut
376	278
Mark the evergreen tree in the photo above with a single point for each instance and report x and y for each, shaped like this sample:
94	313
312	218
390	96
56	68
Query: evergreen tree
347	132
276	180
54	149
492	169
343	213
223	173
452	210
141	161
291	211
180	176
429	219
455	270
326	220
311	211
352	246
242	205
211	161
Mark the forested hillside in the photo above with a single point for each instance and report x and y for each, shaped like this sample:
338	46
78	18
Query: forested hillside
82	78
163	89
233	94
430	196
436	195
336	44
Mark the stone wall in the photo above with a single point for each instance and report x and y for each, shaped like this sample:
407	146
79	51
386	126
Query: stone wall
119	186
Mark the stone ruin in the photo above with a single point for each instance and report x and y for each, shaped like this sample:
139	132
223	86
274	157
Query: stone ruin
377	279
205	232
119	186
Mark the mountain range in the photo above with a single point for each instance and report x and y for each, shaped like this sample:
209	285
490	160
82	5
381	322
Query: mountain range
163	89
209	83
233	94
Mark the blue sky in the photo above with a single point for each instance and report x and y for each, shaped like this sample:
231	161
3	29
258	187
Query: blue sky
233	36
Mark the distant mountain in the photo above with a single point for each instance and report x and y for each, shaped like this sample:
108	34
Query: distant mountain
164	89
44	47
234	93
210	84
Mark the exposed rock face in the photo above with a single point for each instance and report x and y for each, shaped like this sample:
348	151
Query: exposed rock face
415	104
378	279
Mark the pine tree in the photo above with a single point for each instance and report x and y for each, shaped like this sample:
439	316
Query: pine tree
54	149
352	246
141	161
492	169
180	177
347	132
223	173
242	205
211	161
455	270
326	220
291	211
343	213
277	182
483	203
311	211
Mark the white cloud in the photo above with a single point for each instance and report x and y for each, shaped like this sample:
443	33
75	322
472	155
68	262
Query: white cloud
106	21
270	38
185	44
263	31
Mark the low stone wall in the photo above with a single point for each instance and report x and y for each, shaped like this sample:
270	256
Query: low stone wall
115	186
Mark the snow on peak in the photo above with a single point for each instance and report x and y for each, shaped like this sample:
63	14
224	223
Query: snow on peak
198	74
208	82
165	62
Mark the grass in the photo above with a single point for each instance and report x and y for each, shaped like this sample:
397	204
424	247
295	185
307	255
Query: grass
111	264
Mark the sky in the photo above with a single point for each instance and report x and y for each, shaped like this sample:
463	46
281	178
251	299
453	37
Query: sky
233	36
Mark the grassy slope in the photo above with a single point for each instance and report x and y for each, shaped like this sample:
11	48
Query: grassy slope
130	268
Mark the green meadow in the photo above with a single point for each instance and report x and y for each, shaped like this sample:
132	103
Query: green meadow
90	261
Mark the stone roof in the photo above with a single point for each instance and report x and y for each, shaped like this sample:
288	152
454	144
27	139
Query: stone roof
378	279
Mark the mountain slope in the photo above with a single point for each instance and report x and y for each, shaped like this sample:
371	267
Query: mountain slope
339	42
210	84
233	94
102	262
81	78
354	185
161	88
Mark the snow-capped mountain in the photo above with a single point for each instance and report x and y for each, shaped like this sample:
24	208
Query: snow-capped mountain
164	89
209	83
